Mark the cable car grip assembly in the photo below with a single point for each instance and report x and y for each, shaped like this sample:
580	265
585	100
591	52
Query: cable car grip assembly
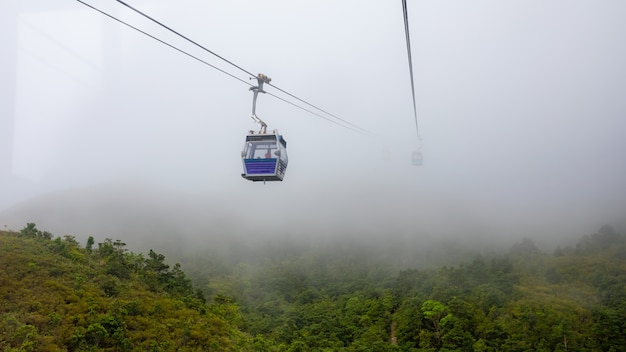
261	78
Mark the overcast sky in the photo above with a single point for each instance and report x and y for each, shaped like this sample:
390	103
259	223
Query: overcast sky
521	107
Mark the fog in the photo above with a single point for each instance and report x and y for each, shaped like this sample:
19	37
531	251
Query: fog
107	132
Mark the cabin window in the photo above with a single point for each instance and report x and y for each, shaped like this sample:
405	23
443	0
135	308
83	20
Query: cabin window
261	150
283	153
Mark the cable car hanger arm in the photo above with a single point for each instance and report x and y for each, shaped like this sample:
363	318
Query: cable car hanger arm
261	78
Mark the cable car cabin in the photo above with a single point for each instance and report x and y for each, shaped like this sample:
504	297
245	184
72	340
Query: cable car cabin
264	157
416	159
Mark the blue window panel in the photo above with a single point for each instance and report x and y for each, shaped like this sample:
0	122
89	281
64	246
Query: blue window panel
260	166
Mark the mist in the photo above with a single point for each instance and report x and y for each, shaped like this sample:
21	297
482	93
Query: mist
520	106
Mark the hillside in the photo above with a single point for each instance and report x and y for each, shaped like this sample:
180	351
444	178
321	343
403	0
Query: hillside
58	296
343	298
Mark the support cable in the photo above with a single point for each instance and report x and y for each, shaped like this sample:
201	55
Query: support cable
362	130
349	125
408	49
356	128
163	42
184	37
359	130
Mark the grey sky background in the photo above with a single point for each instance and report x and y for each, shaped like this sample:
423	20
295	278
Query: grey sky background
521	108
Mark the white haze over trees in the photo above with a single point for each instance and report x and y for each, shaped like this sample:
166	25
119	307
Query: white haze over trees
521	108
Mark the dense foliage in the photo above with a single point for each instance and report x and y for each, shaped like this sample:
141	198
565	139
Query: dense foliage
57	296
340	298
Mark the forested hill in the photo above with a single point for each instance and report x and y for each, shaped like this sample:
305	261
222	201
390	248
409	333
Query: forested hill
56	295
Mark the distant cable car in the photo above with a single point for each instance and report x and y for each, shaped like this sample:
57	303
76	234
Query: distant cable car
416	158
264	155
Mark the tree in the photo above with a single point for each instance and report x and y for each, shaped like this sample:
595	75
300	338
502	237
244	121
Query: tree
30	230
434	313
526	247
114	254
90	242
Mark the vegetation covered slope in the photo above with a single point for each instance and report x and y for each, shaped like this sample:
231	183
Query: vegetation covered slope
340	298
57	296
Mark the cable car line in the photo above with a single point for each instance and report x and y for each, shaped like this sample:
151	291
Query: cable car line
164	42
353	127
184	37
358	129
408	49
416	156
227	73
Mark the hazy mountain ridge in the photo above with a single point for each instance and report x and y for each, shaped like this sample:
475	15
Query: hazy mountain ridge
148	216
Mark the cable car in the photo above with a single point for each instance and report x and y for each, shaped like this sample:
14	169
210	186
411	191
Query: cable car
416	158
264	156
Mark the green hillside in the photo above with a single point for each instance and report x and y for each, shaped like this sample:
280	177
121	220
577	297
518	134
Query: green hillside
345	298
58	296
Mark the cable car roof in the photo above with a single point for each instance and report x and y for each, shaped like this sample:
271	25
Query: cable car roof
266	137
